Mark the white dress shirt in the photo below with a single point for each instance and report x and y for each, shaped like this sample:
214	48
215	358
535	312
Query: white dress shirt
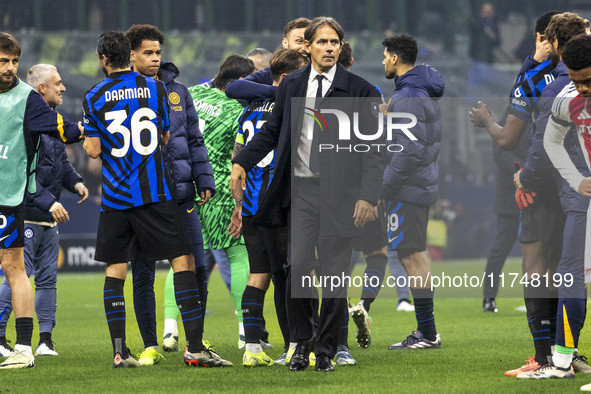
301	168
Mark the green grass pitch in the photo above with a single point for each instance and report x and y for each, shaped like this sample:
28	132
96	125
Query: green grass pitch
476	349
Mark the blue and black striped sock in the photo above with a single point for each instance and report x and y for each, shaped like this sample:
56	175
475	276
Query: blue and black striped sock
189	303
374	273
252	313
539	323
423	299
115	311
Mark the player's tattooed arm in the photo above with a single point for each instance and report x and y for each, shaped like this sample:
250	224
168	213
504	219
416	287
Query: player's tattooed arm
237	149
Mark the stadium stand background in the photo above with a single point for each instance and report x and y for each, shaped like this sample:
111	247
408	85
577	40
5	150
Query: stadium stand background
201	33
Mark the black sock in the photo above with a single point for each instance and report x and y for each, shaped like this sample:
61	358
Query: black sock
280	291
252	313
539	326
344	334
374	273
44	337
423	299
552	304
115	311
264	332
187	299
24	330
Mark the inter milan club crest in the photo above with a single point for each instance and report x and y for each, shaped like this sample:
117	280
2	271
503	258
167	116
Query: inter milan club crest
29	233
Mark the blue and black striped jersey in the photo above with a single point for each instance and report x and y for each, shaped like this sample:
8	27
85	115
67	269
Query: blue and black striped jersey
130	114
528	88
259	178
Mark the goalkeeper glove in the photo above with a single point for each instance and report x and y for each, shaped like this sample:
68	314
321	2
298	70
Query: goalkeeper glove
524	198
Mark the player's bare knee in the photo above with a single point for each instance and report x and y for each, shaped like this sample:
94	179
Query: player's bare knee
376	252
260	281
117	270
183	263
12	262
415	262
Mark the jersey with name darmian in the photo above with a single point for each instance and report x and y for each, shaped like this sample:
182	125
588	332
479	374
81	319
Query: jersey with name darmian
130	114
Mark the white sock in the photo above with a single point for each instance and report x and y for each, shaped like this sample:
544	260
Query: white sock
562	360
153	347
170	326
254	348
292	345
24	349
240	328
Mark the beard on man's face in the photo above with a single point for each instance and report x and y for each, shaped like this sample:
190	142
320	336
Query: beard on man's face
554	57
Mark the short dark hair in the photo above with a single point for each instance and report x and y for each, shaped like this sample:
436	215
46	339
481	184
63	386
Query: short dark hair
234	67
138	33
543	21
299	23
346	54
285	61
577	53
320	21
9	45
115	47
563	27
404	46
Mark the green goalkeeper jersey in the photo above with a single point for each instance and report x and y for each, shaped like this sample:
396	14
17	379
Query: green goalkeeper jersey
218	121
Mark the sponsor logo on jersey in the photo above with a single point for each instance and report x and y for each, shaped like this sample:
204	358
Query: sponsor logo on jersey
519	102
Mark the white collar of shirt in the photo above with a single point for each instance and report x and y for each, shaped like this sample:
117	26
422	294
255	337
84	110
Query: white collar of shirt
328	76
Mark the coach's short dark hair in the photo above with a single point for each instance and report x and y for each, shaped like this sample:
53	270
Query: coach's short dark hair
563	27
285	61
404	46
9	45
115	47
299	23
577	53
234	67
320	21
138	33
346	54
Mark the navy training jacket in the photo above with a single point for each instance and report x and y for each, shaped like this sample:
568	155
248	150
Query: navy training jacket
53	172
185	154
413	174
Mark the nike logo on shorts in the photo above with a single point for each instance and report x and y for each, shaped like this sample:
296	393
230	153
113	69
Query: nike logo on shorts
190	210
3	238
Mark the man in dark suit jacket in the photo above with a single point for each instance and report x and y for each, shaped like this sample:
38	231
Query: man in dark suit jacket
336	182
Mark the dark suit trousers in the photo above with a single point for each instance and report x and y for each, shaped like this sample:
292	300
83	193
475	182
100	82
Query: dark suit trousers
507	230
333	257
